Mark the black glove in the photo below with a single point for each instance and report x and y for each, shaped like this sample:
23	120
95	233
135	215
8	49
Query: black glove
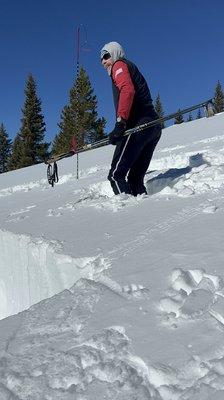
117	133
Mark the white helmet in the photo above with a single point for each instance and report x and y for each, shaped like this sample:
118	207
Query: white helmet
114	49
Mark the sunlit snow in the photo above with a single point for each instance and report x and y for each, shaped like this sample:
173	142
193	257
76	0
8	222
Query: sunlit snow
116	297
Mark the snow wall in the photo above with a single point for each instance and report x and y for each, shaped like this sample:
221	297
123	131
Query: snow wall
32	270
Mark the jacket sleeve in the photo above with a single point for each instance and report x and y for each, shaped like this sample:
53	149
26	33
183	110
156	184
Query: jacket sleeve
122	80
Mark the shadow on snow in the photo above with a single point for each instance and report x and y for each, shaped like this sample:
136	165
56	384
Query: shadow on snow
171	177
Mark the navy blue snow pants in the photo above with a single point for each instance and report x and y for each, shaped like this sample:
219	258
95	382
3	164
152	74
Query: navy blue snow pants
131	160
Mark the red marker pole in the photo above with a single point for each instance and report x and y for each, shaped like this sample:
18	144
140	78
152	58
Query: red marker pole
77	96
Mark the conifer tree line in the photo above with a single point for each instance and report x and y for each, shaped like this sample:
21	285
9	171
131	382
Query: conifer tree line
218	106
219	98
79	119
159	109
5	149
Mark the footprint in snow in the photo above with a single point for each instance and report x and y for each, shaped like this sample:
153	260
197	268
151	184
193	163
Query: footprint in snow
135	290
192	294
53	213
130	291
210	209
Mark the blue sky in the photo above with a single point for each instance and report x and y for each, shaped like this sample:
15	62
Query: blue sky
178	45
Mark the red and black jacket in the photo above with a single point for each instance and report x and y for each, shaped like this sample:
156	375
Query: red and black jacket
132	98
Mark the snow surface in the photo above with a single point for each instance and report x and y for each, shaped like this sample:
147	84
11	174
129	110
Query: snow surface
115	297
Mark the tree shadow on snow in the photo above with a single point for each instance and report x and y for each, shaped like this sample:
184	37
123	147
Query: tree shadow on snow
171	177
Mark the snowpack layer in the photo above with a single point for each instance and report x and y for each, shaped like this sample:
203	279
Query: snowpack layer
126	294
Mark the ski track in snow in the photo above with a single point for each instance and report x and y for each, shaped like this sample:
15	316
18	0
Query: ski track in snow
157	229
18	215
217	138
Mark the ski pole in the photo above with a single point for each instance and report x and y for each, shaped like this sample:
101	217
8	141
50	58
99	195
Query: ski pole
142	127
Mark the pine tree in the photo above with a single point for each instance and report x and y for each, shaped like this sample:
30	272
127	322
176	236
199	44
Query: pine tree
5	149
189	117
62	141
159	109
17	153
79	118
179	118
32	148
218	98
198	114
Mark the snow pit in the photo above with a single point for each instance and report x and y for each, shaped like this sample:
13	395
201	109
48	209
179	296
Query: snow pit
32	270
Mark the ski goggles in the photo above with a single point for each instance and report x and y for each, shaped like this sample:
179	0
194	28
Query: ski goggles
105	56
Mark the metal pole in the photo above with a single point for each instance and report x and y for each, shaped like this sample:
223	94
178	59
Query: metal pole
77	97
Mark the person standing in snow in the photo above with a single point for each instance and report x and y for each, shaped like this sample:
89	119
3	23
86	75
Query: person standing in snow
133	107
